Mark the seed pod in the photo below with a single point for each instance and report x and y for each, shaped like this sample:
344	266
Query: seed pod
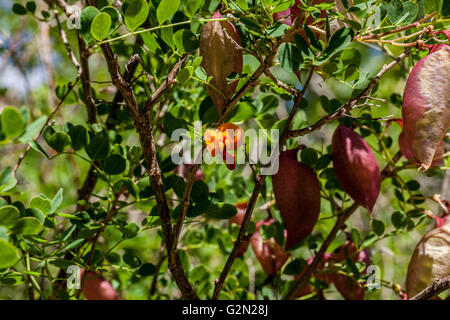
348	287
269	253
356	167
426	107
95	287
220	48
237	219
430	260
297	193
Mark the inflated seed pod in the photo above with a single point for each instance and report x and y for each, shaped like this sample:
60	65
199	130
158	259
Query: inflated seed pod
297	193
430	259
220	49
426	107
356	167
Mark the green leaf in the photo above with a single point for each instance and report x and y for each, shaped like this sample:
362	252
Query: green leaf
166	9
9	216
98	148
338	42
356	237
221	210
114	164
87	16
32	130
31	6
41	203
309	156
312	38
74	244
185	74
19	9
27	226
36	146
377	227
8	255
147	269
56	201
185	41
59	141
114	16
351	73
397	220
79	136
7	180
290	57
199	191
192	6
136	13
150	41
295	267
12	122
100	26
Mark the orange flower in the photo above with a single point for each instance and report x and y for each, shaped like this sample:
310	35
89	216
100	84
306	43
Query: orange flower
214	141
227	136
233	135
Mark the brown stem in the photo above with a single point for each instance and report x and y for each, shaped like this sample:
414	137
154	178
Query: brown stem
438	286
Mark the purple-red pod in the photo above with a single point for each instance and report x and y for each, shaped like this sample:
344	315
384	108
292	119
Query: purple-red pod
220	49
426	107
269	253
356	167
297	193
96	287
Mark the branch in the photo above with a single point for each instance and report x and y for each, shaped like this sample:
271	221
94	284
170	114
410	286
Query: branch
352	104
408	26
254	197
342	218
438	286
170	80
144	130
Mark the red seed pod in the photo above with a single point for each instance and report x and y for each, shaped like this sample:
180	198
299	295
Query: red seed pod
269	253
348	287
219	47
96	287
430	260
426	107
356	167
297	193
237	219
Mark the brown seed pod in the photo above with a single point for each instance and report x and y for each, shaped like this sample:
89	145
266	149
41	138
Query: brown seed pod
96	287
220	48
426	107
318	274
297	193
269	253
430	260
356	167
